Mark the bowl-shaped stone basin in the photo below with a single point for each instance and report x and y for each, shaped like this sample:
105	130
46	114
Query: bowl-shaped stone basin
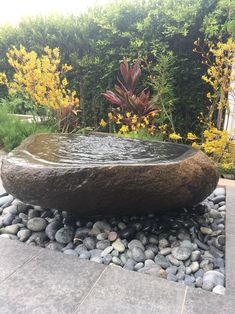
106	175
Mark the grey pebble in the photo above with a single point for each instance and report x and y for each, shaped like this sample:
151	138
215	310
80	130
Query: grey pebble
165	251
181	253
107	251
162	261
52	228
23	234
173	260
64	235
130	264
37	224
138	254
71	252
172	270
90	243
135	243
103	244
85	255
116	260
171	277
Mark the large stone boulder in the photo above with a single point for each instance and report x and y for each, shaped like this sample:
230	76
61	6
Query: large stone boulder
106	175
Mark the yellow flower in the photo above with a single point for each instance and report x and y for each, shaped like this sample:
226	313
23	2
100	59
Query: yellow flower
191	136
227	166
64	82
146	121
134	119
175	136
110	115
102	123
3	79
40	78
195	145
162	127
124	129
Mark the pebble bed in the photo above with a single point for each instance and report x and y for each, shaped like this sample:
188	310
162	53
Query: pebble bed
187	246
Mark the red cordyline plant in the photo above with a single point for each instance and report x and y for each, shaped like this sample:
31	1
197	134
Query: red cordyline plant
125	96
134	111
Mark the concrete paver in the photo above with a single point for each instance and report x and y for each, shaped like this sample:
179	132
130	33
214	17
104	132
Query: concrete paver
13	256
1	187
198	301
122	291
51	282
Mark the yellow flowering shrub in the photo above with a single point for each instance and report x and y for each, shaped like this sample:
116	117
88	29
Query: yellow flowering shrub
215	141
218	145
131	122
219	58
42	80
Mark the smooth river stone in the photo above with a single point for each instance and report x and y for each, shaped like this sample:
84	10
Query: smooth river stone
100	174
181	253
36	224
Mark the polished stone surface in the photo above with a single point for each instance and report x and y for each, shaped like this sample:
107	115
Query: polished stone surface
105	175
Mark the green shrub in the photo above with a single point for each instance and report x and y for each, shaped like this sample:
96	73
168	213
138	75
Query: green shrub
95	43
18	105
13	130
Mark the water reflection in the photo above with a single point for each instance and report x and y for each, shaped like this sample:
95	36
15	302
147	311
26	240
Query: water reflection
72	149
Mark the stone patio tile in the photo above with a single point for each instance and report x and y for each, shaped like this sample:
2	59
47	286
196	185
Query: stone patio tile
230	264
13	255
122	291
2	190
230	223
198	301
51	282
230	200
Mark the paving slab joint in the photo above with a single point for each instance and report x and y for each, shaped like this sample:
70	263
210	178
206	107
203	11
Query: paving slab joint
184	298
90	291
21	266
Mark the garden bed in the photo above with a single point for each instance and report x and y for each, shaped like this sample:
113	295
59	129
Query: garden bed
186	247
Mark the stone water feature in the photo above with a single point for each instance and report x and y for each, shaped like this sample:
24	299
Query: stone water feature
99	174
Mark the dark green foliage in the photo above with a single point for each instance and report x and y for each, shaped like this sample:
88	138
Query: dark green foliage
163	83
96	42
18	105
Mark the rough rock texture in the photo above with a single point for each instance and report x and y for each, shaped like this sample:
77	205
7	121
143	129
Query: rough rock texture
108	188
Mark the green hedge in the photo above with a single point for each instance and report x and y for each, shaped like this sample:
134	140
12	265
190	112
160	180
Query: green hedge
95	43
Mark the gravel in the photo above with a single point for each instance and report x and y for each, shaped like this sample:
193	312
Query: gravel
186	246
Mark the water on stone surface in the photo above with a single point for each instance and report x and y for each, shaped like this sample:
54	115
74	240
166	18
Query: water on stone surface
74	149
